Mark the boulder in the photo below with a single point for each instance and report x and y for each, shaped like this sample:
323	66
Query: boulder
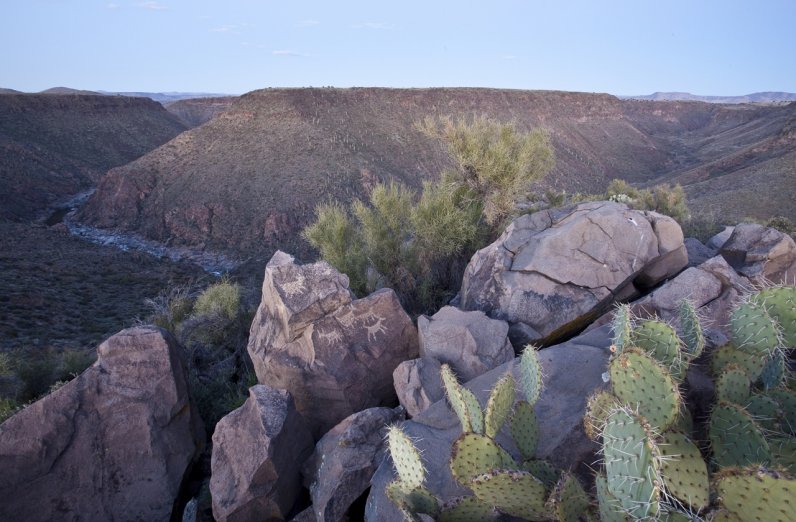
572	372
345	459
718	240
112	444
698	253
258	451
418	384
334	354
557	270
469	342
764	255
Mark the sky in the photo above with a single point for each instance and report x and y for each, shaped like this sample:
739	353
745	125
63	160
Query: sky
704	47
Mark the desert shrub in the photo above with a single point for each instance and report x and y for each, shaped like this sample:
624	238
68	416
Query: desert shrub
222	298
171	307
664	199
782	224
73	362
495	161
37	372
8	407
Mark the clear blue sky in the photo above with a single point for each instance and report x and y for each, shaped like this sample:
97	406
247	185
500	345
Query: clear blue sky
233	46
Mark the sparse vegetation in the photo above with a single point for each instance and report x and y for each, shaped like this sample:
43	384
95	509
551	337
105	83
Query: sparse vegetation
664	199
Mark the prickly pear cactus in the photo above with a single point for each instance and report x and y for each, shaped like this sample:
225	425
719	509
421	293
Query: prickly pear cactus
453	391
780	303
516	493
659	340
735	438
474	413
542	470
474	454
530	374
786	399
631	464
609	507
728	354
567	502
418	500
499	405
598	407
466	509
524	429
757	493
406	458
733	385
622	328
690	329
685	474
642	383
754	331
765	412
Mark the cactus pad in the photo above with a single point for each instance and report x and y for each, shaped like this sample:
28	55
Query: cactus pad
728	354
530	374
524	429
753	330
609	507
406	458
598	407
642	383
757	493
787	408
780	303
568	501
765	412
685	474
659	340
516	493
474	454
631	465
453	391
621	328
733	385
690	329
735	438
466	509
418	500
542	470
773	373
499	405
784	452
474	413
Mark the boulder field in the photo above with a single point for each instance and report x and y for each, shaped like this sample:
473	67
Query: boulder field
308	444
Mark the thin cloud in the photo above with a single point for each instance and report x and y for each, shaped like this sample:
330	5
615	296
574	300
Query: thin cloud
372	25
308	23
155	6
288	52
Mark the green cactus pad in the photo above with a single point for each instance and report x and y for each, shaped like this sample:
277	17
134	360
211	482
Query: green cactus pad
516	493
773	374
474	454
631	465
499	405
765	412
690	330
406	458
753	330
787	408
733	385
780	303
598	407
542	470
524	429
728	354
684	422
722	515
674	516
609	507
466	509
659	340
783	450
453	391
418	500
567	501
736	440
474	413
621	328
530	374
756	493
685	474
643	384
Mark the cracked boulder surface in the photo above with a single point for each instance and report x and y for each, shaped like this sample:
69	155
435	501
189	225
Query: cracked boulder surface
553	272
335	354
764	255
112	444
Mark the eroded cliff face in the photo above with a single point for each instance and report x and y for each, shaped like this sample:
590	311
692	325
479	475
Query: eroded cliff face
53	146
249	179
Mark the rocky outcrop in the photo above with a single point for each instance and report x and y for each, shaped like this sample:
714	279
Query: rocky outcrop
258	451
470	342
554	271
761	254
572	371
345	459
698	253
418	384
335	355
112	444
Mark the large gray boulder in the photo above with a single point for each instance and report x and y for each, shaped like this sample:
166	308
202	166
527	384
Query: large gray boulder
469	342
572	372
553	272
418	384
112	444
345	460
335	355
258	451
764	255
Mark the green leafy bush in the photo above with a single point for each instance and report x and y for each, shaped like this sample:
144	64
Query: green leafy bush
222	299
664	199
